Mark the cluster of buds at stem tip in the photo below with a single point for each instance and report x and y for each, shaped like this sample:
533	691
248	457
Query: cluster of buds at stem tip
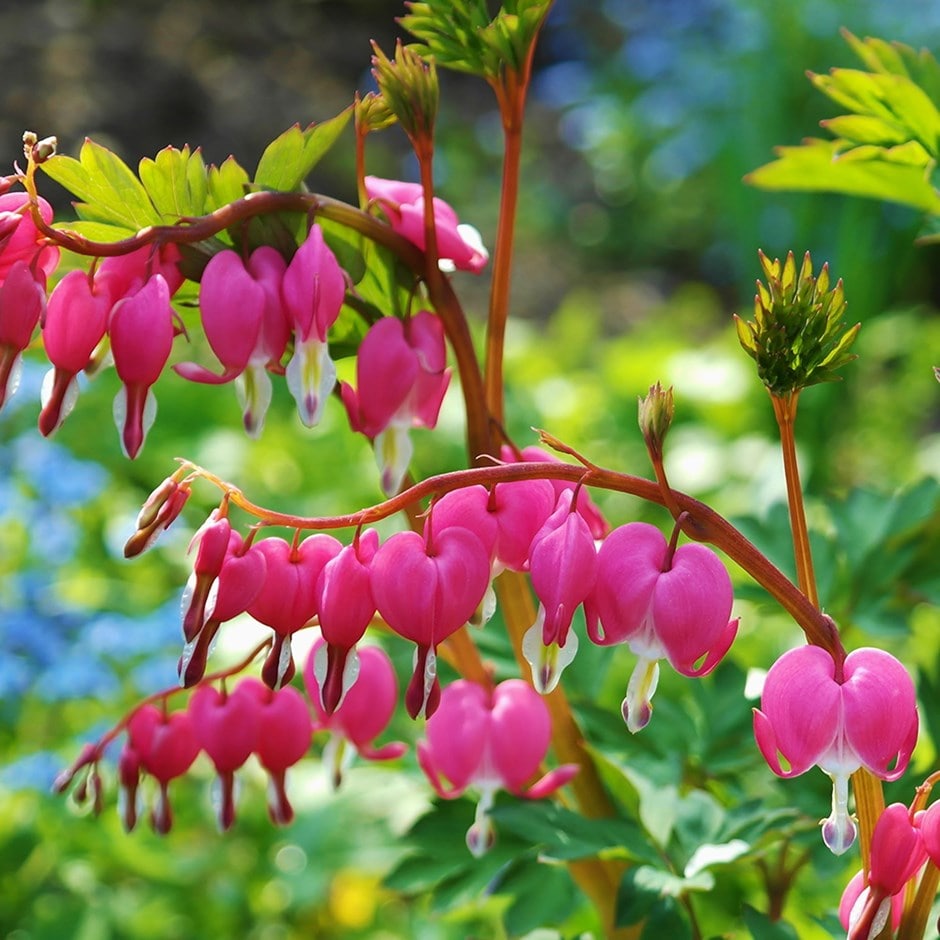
797	337
409	87
655	414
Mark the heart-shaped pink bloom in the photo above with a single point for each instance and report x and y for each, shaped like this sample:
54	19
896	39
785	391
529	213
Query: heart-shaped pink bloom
521	509
425	590
855	899
120	276
363	714
76	320
166	747
563	563
312	293
20	240
586	506
22	304
458	246
865	718
664	604
288	599
226	727
141	332
897	854
490	740
401	382
346	607
284	735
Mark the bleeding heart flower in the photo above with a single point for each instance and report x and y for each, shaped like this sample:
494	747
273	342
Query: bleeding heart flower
166	746
345	608
563	565
897	853
664	603
426	588
141	332
284	735
288	600
863	715
363	714
22	304
490	740
458	245
401	381
76	320
312	293
226	726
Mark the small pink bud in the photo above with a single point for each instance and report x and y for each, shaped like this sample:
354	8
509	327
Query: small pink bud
22	304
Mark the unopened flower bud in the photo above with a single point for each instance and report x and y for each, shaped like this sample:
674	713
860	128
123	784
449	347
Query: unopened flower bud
656	413
410	91
158	512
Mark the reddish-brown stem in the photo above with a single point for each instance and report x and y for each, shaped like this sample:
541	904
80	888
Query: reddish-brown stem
785	412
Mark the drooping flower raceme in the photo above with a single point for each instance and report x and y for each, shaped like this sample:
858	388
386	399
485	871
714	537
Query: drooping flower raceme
401	380
490	740
459	245
864	715
664	603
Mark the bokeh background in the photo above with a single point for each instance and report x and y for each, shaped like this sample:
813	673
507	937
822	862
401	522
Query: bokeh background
637	241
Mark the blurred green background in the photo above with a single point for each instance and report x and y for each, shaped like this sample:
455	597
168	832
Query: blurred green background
637	240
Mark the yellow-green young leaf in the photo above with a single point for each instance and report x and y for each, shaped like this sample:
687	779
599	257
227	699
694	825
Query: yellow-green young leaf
289	158
175	182
97	231
106	184
226	183
819	166
865	129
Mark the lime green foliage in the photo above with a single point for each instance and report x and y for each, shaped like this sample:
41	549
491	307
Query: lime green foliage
462	35
796	338
114	203
888	144
288	160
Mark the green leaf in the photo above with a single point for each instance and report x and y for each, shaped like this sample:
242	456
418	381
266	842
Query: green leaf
541	895
821	166
289	158
226	183
761	927
110	191
566	835
645	890
175	182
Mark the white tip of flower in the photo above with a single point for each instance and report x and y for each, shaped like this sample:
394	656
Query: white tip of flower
637	705
547	662
321	660
311	375
838	829
393	451
253	389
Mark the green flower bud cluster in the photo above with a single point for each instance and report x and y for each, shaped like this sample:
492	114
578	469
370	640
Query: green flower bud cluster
461	34
796	337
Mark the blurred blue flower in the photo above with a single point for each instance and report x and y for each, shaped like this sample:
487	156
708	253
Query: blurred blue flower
32	772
